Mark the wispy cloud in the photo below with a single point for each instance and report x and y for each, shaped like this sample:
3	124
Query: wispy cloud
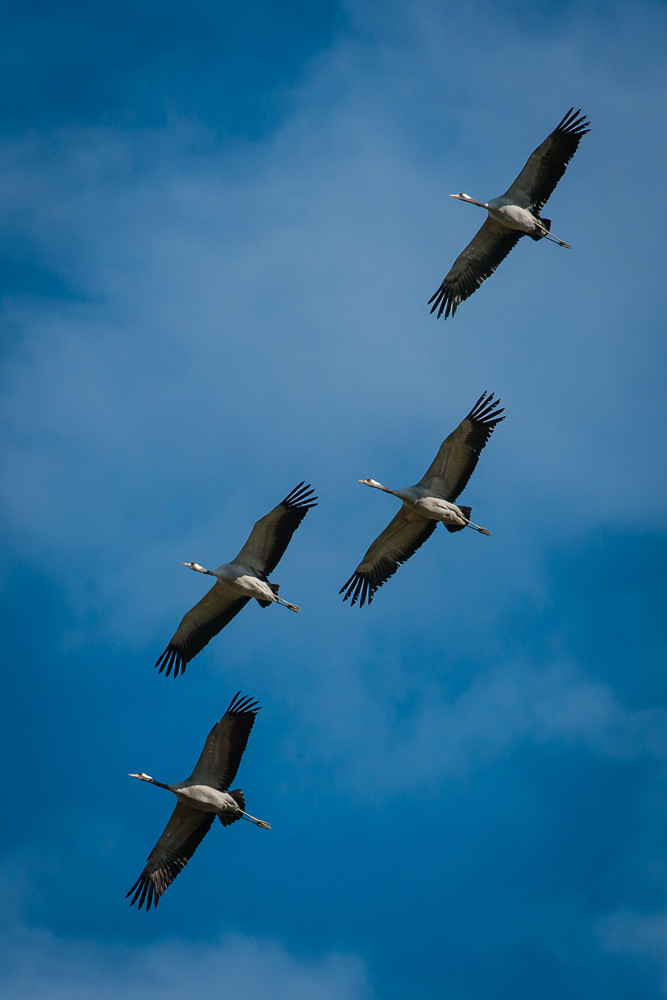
206	312
39	964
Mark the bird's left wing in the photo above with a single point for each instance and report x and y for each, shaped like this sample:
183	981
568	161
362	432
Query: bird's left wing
215	610
219	760
488	247
399	540
273	532
546	164
179	841
452	467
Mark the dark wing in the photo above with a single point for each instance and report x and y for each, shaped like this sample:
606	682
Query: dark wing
273	532
215	610
481	257
399	540
546	165
181	838
221	756
459	453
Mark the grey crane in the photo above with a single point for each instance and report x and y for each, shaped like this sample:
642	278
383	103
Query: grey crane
429	501
240	580
201	797
513	215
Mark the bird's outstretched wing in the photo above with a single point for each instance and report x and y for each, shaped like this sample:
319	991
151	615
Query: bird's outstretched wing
221	756
215	610
181	838
399	540
452	467
488	247
546	164
273	532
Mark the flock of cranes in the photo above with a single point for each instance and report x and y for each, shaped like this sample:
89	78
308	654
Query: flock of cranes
205	794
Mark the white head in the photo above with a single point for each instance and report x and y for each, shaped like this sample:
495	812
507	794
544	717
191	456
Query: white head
373	482
197	568
141	776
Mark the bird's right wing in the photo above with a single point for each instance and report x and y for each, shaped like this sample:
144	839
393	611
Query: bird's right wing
399	540
221	756
450	470
546	164
272	534
215	610
181	838
490	245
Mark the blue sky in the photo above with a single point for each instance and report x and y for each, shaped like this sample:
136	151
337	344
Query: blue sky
220	229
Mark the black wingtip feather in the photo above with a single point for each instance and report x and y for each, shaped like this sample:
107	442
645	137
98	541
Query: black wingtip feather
170	660
573	123
144	893
240	705
358	589
443	301
303	496
486	410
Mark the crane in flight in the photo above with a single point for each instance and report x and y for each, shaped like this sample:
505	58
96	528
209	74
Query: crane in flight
513	215
429	501
201	797
239	580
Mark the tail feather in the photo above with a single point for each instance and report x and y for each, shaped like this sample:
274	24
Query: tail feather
466	511
238	797
230	818
540	235
275	587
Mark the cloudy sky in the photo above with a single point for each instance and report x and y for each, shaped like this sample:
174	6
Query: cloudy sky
220	227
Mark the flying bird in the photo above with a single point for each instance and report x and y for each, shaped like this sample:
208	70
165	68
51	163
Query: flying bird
240	580
201	798
513	215
429	501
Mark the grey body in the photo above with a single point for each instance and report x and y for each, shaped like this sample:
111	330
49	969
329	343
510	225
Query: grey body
241	580
206	799
508	213
432	507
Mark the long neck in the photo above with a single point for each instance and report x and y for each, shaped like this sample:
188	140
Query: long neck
160	784
199	569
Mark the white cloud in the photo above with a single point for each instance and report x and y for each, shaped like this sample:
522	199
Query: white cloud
310	256
38	964
255	315
393	739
